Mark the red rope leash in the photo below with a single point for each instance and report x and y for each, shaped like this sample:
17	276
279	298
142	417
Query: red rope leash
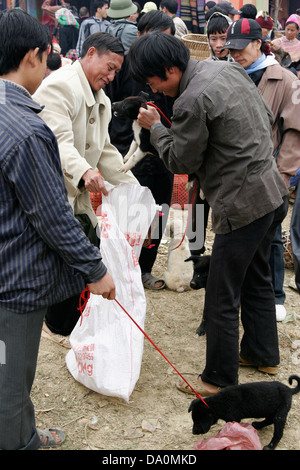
84	297
160	111
153	344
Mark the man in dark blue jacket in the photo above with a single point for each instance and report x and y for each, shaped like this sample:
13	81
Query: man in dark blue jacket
44	254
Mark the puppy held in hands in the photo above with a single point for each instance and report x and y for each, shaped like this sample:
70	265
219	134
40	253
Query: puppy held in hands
140	146
269	400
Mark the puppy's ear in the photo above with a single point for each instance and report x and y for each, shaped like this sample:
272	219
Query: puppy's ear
145	95
192	406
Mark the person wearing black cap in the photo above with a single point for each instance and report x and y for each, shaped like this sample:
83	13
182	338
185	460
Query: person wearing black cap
228	9
221	131
277	86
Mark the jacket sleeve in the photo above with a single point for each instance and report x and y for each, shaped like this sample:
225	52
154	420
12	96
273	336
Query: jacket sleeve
288	157
60	108
41	192
182	148
295	238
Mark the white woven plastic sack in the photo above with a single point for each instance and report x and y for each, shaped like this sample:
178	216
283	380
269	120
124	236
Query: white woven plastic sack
107	347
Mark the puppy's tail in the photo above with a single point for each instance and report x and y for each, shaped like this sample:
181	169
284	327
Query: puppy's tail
296	389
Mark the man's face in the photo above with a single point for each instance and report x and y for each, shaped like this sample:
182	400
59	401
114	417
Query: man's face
103	11
217	41
170	86
100	69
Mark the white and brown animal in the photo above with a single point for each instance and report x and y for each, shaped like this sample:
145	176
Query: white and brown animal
140	146
179	273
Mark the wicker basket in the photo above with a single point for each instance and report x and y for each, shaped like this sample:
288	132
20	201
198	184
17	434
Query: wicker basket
198	46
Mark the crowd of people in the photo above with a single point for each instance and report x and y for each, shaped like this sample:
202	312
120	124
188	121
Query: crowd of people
235	130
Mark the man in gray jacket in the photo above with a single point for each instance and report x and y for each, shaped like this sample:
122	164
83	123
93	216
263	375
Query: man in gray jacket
221	131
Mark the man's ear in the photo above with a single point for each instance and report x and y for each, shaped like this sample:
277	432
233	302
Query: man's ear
31	56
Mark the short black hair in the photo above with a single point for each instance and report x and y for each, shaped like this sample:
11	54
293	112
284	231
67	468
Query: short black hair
154	53
19	33
217	24
99	4
171	5
54	61
104	43
248	11
155	20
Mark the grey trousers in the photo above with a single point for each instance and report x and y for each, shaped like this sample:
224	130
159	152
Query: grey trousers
19	344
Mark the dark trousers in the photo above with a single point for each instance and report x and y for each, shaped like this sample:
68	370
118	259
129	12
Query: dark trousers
20	337
240	278
161	187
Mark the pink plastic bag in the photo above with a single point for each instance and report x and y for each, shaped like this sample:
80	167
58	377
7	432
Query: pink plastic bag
234	436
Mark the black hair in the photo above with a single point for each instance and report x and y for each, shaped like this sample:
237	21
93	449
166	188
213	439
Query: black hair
248	11
54	61
171	5
155	20
103	43
154	53
99	4
217	24
19	33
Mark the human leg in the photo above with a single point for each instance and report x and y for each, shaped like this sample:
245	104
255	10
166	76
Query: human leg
20	334
259	344
232	256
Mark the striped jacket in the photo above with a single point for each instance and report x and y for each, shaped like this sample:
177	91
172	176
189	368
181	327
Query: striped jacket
44	255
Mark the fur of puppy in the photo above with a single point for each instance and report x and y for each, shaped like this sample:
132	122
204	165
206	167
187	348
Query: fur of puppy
269	400
178	274
140	146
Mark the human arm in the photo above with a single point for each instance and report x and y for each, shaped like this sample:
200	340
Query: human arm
182	146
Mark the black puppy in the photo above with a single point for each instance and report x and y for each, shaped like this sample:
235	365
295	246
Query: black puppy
201	268
269	400
140	146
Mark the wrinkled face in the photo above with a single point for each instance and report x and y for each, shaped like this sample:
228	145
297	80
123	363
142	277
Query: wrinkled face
100	69
247	56
291	31
217	41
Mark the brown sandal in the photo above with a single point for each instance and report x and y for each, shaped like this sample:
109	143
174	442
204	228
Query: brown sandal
203	392
272	370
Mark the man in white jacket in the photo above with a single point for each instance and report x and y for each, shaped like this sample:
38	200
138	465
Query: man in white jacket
78	112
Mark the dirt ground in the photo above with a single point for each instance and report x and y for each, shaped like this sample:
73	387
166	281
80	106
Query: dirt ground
157	418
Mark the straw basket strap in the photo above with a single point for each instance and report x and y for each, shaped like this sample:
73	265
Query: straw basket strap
198	46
